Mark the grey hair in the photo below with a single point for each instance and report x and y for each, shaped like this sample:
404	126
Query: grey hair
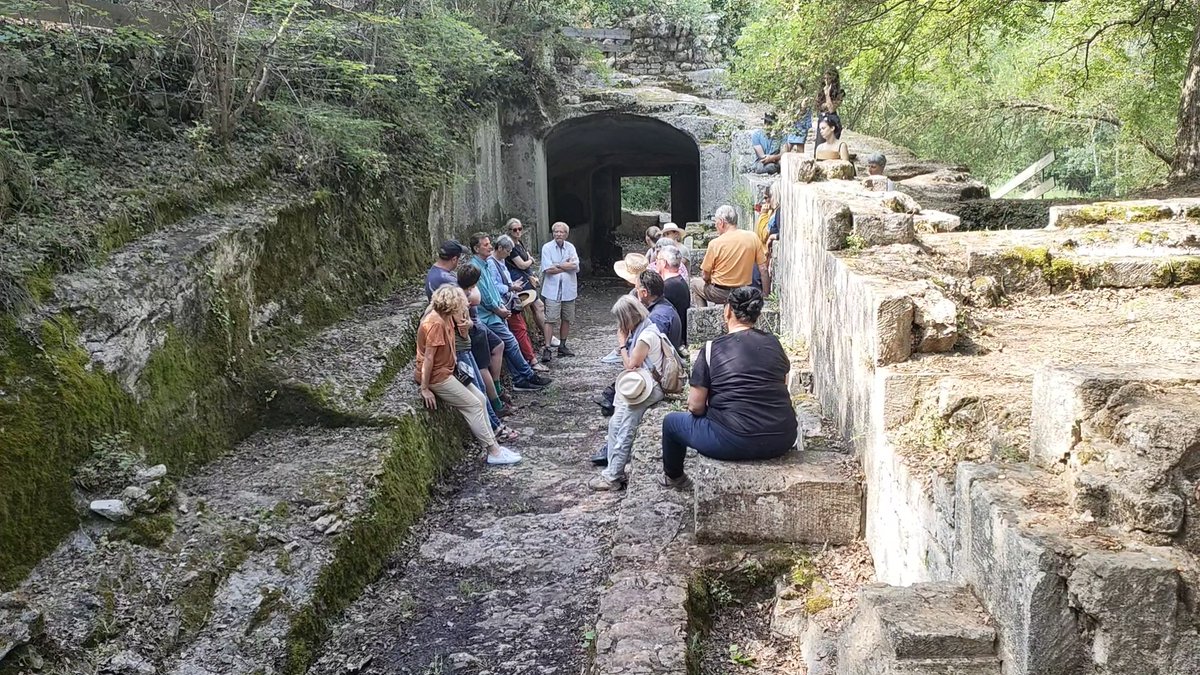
630	312
877	159
671	256
726	213
504	241
509	225
566	227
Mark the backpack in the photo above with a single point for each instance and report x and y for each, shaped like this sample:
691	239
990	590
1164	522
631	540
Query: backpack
673	375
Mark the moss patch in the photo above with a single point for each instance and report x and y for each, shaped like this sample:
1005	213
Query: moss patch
424	446
1058	273
148	531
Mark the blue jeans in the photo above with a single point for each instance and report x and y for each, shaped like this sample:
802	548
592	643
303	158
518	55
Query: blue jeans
622	427
468	360
521	372
683	430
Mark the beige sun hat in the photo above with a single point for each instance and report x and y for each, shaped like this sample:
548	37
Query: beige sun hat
671	227
635	386
527	297
633	265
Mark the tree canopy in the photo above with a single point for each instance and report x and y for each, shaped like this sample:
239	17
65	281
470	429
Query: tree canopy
995	83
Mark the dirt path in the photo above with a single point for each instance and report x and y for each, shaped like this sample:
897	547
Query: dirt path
504	572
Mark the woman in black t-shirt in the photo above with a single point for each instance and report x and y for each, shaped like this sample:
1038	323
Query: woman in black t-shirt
738	405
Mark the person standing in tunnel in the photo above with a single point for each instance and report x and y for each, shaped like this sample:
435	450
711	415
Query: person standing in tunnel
560	267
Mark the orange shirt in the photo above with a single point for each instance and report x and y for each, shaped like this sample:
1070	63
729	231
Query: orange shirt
437	333
731	258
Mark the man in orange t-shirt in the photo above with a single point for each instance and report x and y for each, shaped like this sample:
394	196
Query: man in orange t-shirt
729	262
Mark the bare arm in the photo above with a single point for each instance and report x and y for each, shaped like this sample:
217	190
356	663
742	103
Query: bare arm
634	360
521	263
426	376
766	279
844	152
697	402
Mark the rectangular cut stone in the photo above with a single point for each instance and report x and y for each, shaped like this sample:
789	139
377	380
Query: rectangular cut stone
926	629
708	323
803	497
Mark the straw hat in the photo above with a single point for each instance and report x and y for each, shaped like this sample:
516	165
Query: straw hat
635	386
671	227
527	297
633	265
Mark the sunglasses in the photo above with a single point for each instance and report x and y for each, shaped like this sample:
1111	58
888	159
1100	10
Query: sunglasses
517	229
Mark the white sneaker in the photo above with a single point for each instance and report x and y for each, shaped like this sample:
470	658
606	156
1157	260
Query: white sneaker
505	456
554	342
612	358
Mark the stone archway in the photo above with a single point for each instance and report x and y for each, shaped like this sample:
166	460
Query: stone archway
587	156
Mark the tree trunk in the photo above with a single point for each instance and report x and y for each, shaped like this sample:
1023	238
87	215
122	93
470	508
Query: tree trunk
1187	139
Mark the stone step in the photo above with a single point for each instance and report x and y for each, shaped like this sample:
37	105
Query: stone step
347	368
1068	595
803	497
925	629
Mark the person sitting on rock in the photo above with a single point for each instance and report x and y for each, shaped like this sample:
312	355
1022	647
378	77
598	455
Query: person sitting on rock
521	265
675	287
487	349
636	388
766	147
729	261
662	313
673	236
876	179
738	406
435	367
442	271
830	131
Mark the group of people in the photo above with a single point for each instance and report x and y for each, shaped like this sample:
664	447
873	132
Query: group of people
737	407
475	325
769	148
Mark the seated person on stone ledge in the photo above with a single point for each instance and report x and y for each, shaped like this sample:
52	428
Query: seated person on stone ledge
876	180
829	131
672	235
738	405
729	261
766	147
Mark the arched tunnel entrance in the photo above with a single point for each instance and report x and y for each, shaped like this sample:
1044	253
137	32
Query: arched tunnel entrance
586	158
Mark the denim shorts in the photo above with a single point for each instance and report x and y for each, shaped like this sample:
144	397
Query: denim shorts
800	131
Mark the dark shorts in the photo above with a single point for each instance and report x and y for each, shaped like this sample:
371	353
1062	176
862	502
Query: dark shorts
483	341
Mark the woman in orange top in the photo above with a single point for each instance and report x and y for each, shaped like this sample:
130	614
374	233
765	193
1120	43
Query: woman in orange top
435	367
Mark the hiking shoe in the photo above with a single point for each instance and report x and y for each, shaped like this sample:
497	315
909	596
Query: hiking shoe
602	484
505	456
547	355
681	483
612	358
601	456
527	385
541	380
564	351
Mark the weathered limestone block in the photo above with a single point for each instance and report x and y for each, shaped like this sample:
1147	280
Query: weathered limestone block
881	229
708	323
924	629
837	222
19	624
944	189
893	316
929	220
803	497
789	616
836	169
808	170
935	322
899	202
1100	213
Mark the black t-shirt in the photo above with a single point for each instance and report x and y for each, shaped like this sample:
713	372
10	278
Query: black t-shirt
518	274
747	384
676	291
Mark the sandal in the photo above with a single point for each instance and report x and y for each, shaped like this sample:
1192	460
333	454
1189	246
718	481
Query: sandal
506	433
681	483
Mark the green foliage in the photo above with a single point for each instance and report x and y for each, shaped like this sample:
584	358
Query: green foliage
739	657
646	193
991	84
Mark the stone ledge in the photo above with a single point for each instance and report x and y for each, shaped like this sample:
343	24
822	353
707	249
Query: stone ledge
708	323
803	497
1136	211
924	629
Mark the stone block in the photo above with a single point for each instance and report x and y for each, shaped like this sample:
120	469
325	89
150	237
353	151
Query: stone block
935	322
1101	213
924	629
881	229
803	497
929	220
789	616
708	323
836	169
893	325
943	189
837	222
899	202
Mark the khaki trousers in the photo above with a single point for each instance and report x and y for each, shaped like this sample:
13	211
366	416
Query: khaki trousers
704	292
470	402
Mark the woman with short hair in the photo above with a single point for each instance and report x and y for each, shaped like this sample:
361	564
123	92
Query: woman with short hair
637	388
436	365
738	405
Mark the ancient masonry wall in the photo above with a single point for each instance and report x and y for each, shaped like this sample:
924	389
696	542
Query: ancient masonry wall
651	45
1081	557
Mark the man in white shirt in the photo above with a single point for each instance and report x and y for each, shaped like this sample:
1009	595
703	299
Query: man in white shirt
560	269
